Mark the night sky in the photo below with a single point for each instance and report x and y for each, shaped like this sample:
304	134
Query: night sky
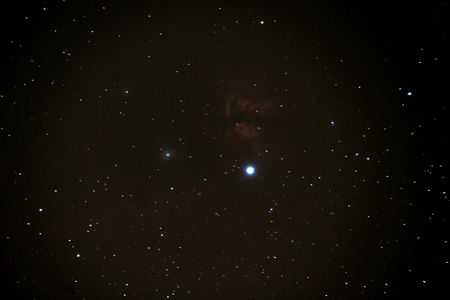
224	150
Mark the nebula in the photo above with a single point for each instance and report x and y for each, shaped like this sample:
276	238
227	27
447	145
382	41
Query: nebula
247	110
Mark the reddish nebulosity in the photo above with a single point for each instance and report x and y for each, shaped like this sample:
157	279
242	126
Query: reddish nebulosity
246	130
246	111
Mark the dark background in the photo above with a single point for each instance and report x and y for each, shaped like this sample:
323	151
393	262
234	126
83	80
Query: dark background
349	196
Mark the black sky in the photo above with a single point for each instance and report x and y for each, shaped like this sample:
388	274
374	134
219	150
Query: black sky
126	128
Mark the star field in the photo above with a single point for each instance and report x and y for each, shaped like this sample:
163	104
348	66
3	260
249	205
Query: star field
224	150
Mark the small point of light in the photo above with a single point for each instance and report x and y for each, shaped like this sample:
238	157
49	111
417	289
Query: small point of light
126	92
332	123
409	93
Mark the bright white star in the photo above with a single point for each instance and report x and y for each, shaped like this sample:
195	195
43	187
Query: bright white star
250	170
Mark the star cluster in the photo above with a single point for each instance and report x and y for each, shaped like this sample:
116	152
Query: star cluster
224	150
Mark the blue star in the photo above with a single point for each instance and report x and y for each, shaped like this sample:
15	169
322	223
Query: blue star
250	170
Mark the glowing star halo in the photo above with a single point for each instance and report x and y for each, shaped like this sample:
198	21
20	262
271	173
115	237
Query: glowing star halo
250	170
